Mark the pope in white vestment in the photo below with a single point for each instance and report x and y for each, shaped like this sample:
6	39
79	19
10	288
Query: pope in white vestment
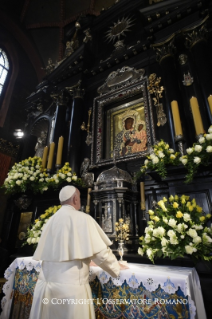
69	241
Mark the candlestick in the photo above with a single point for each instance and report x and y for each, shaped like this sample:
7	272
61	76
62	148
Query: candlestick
51	156
196	116
143	206
179	140
59	151
44	159
87	210
210	102
176	118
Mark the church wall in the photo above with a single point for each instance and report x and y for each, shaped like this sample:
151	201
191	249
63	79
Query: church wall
20	82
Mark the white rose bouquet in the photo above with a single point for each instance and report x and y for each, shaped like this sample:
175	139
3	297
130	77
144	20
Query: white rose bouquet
199	154
30	175
177	228
27	175
161	156
34	233
63	175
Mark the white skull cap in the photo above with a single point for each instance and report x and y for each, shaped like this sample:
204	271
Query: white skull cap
66	193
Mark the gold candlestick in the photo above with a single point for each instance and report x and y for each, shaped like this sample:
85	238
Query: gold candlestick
196	116
59	151
51	156
88	140
143	204
44	159
176	117
210	102
87	209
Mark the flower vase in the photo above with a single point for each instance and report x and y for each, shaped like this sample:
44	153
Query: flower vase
121	249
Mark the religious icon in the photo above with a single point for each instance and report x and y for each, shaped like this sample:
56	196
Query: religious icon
122	120
132	137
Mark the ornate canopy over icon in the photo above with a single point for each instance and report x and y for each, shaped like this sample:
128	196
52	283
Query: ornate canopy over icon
124	76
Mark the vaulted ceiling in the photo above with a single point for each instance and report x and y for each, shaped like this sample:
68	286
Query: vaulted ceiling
39	30
47	22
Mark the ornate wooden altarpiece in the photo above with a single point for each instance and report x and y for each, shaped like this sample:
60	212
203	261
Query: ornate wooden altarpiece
123	130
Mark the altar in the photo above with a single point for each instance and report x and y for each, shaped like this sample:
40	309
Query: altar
142	291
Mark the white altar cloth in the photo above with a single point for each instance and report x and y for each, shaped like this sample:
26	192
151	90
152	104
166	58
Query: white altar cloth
168	277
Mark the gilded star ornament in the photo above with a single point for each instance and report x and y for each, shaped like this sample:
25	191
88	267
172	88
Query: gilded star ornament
119	28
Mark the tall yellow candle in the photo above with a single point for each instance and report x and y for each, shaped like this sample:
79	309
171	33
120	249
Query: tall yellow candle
176	118
143	206
44	159
196	116
59	151
51	155
210	102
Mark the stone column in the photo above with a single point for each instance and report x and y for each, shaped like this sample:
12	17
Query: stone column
165	57
195	40
75	132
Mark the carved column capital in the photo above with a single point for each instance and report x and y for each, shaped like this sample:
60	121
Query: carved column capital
76	91
196	34
59	98
164	49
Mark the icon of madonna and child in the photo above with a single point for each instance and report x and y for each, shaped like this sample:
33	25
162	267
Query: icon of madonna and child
132	138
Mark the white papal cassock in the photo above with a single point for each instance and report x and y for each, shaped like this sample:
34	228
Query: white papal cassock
69	241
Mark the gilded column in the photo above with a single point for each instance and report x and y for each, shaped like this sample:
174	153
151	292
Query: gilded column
195	39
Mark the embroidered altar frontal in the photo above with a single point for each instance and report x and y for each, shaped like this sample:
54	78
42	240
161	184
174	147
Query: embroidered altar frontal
143	291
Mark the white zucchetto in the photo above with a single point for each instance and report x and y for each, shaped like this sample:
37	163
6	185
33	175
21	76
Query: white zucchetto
66	193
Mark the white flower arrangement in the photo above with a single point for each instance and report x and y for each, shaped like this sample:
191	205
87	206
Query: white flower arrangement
63	175
161	156
34	233
26	175
199	154
30	175
177	228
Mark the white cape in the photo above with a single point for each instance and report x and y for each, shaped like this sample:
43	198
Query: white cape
69	235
